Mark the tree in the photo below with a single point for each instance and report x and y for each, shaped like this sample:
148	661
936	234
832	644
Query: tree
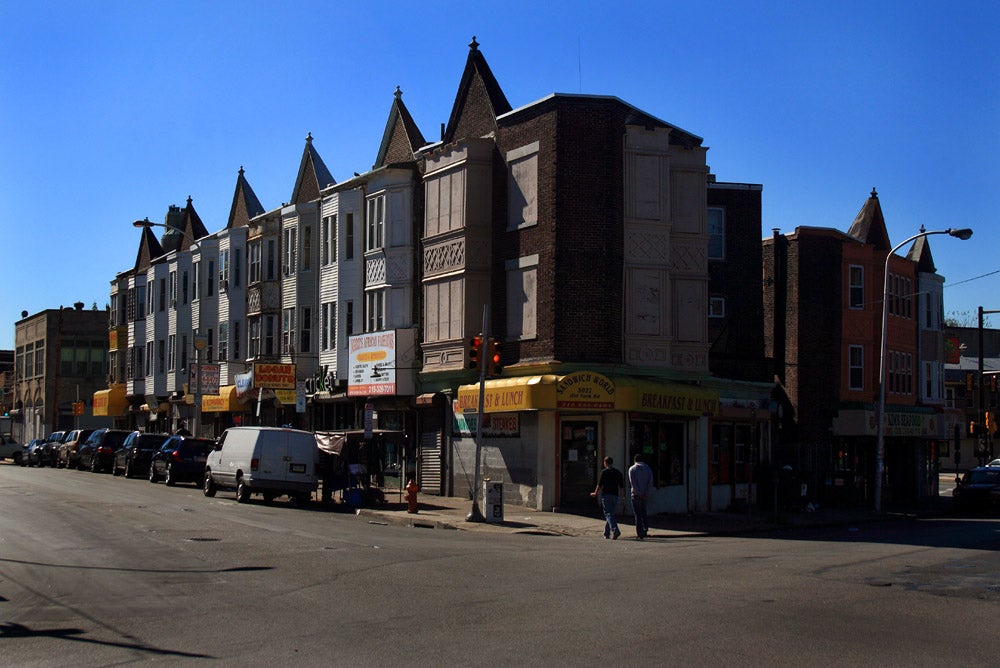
965	319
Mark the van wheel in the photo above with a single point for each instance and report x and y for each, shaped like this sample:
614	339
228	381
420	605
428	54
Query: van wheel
242	490
209	487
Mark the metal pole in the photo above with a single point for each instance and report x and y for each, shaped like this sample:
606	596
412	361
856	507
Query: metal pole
980	434
476	515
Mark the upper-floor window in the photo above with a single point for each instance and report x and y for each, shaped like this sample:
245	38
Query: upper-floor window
328	240
210	278
716	307
196	270
305	330
184	287
173	289
287	331
307	245
328	326
253	262
376	223
163	294
900	296
375	310
856	367
223	269
288	252
223	341
857	286
716	233
349	237
270	260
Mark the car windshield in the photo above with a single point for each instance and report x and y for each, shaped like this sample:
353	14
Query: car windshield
114	438
980	476
150	441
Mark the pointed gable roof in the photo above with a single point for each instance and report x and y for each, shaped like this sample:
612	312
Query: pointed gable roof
245	204
869	225
402	138
313	175
149	248
191	228
920	253
479	99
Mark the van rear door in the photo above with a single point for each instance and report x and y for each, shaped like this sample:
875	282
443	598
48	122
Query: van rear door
287	455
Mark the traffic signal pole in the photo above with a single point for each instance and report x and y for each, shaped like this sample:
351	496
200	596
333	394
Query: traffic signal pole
476	515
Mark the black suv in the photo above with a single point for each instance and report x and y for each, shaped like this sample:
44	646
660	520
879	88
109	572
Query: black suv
98	452
180	459
136	452
47	453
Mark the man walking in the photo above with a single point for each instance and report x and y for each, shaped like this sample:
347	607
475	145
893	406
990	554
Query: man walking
640	477
610	486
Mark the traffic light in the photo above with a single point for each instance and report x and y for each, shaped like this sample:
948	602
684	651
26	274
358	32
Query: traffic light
972	428
474	352
493	366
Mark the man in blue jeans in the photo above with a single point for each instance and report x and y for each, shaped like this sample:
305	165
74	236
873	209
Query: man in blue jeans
610	486
640	478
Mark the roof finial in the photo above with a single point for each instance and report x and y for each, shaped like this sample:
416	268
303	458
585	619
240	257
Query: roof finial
309	137
398	94
241	170
189	200
922	229
874	194
474	45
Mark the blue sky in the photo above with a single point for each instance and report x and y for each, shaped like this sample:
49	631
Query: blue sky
111	111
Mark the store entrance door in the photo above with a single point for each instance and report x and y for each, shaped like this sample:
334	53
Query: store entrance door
578	463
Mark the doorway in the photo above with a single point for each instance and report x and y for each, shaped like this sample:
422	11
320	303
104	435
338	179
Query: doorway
579	441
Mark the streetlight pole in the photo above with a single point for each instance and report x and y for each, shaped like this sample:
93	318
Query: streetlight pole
199	339
961	233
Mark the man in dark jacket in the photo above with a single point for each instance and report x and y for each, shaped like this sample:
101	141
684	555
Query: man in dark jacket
609	490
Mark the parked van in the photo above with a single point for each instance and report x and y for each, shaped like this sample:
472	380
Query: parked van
264	460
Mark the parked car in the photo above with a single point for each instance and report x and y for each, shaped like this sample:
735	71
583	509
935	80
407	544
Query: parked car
975	491
264	460
46	455
180	459
10	449
98	452
68	454
137	450
31	450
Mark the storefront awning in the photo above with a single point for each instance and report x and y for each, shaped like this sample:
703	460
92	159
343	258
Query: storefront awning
110	402
588	391
223	402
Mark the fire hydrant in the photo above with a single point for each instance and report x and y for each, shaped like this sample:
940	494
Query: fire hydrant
411	496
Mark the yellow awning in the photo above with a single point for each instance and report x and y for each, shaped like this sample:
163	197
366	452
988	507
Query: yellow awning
648	396
225	401
506	395
589	391
110	402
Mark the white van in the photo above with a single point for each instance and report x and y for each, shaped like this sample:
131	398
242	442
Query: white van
264	460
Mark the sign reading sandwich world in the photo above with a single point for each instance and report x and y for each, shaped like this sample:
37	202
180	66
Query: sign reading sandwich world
589	391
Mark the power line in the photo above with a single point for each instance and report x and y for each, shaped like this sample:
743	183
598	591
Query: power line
974	278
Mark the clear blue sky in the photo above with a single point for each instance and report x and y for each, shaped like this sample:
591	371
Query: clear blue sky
113	110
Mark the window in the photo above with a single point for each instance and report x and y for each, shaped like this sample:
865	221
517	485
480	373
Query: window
328	232
269	335
375	311
223	341
305	330
253	262
196	269
237	275
307	237
184	351
270	260
288	257
348	317
161	355
140	294
856	367
150	297
209	279
254	338
210	347
163	294
349	237
328	326
184	287
716	234
287	331
716	307
522	186
376	223
662	447
223	269
173	289
148	371
236	340
171	352
857	286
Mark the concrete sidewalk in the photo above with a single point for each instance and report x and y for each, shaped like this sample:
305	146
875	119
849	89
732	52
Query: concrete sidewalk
438	512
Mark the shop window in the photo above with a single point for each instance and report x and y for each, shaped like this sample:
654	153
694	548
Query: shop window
662	447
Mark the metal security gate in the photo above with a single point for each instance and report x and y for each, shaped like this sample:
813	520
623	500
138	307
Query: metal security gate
430	471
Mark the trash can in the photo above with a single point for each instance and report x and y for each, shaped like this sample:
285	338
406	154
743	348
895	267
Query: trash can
493	495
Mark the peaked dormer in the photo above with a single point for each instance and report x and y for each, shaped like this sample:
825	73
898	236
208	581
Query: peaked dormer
402	138
478	102
313	175
920	253
245	204
189	224
149	248
869	225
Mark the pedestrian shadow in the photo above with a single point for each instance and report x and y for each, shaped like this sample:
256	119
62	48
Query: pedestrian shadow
9	630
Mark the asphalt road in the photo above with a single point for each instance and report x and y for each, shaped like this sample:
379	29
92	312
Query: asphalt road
98	571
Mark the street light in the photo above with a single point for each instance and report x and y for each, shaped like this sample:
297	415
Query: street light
961	233
199	340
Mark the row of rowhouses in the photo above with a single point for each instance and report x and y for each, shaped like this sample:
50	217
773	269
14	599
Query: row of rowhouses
621	280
